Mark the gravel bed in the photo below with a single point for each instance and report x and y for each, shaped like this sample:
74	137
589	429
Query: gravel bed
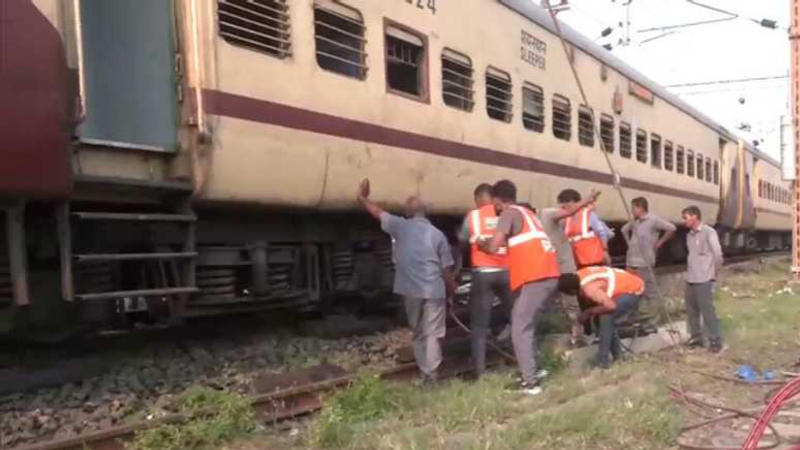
145	383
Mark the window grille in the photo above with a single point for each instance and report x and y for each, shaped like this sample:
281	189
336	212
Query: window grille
607	132
261	25
498	94
457	80
669	161
708	170
586	126
641	146
625	140
699	166
562	117
655	150
405	62
690	163
533	107
680	160
339	37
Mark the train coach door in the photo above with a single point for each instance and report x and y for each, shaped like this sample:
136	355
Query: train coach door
129	48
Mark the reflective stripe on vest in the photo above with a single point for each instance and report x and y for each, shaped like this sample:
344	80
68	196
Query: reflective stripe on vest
535	229
610	276
481	226
585	231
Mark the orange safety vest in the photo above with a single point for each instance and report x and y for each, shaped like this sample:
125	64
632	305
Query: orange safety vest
617	281
482	225
587	248
531	256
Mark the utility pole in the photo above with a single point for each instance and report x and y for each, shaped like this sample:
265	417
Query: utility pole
794	40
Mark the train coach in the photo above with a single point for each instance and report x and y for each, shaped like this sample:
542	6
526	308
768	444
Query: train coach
172	159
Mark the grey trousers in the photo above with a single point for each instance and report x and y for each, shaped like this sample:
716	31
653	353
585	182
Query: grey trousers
529	301
426	317
700	304
650	303
483	288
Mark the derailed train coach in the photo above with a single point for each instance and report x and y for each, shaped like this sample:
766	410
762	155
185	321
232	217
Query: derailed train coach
174	159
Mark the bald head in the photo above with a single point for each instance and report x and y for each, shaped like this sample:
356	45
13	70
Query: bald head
415	207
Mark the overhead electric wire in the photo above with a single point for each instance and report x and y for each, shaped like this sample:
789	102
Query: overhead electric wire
735	80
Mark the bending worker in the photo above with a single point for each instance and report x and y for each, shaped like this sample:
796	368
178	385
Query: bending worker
612	293
489	272
423	276
587	234
533	272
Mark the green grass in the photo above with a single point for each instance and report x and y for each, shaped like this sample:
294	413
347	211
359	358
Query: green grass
214	417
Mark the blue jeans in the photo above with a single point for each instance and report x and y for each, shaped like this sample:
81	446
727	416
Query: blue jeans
609	344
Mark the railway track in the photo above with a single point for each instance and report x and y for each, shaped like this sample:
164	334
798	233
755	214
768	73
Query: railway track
298	393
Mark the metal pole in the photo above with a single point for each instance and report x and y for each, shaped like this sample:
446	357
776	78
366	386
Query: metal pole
795	80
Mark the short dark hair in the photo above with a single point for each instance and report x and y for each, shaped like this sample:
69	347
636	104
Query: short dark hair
569	283
505	190
693	211
569	195
641	202
483	188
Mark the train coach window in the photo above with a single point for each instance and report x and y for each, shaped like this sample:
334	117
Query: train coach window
406	68
716	172
498	94
680	164
457	80
586	126
624	140
261	25
532	107
708	170
690	163
699	166
760	188
562	117
607	132
655	150
669	162
641	146
339	37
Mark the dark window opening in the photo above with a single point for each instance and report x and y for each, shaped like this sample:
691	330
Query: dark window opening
655	150
562	118
699	166
669	162
405	62
708	170
533	107
641	146
690	163
457	80
607	132
261	25
625	140
498	95
586	126
339	36
716	172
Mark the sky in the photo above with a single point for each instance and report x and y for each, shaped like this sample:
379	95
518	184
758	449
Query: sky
732	49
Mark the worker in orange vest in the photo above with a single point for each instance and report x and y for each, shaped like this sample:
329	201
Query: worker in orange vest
489	277
533	274
587	234
612	293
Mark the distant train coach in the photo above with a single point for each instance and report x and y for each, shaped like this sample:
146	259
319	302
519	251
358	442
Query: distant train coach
173	159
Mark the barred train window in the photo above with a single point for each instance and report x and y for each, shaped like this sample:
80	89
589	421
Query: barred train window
562	117
690	163
457	80
716	172
498	94
625	140
607	132
586	126
760	188
655	150
708	170
339	37
699	166
261	25
405	62
641	146
668	156
680	161
532	107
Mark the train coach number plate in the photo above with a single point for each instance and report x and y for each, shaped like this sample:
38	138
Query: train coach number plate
533	50
430	5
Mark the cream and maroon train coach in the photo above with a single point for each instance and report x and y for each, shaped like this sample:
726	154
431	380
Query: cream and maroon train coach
216	145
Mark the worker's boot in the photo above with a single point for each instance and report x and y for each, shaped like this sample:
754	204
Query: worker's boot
715	345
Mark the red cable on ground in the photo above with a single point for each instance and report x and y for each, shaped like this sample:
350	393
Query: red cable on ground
790	390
